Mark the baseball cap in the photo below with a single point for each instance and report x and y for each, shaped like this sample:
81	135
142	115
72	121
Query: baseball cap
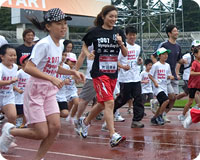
195	43
3	41
36	39
71	57
23	58
55	14
162	50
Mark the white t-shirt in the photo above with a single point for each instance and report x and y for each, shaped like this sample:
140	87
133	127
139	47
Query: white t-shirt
60	96
160	72
7	74
146	87
21	83
47	56
89	64
186	72
133	74
71	88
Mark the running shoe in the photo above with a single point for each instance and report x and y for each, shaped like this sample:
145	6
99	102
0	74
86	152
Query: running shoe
137	124
1	157
166	120
181	117
83	130
118	117
104	127
6	138
188	120
154	104
116	139
198	157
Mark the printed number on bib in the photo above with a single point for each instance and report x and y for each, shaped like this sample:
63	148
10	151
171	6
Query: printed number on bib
108	63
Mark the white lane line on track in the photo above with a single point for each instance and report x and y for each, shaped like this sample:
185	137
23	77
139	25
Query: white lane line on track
133	141
10	155
64	154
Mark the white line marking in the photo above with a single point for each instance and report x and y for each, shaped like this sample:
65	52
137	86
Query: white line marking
64	154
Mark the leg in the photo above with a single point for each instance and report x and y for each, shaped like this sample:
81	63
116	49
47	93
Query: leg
75	106
64	113
81	107
10	112
172	99
188	105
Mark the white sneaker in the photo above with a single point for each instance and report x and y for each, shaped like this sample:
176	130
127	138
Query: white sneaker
2	158
6	138
188	120
116	139
118	118
104	127
166	120
181	117
83	130
198	157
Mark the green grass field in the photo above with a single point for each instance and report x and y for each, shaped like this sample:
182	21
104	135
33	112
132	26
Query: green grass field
178	104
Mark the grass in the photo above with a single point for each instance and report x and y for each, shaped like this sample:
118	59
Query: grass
178	104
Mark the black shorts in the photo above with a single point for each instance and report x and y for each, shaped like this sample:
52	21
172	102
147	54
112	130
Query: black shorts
185	87
62	105
19	108
162	97
192	92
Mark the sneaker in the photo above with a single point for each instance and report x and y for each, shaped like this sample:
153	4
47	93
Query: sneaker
116	139
1	117
181	117
19	122
104	127
137	124
83	130
154	104
198	157
77	124
6	139
188	120
118	118
99	116
2	158
154	122
166	120
160	120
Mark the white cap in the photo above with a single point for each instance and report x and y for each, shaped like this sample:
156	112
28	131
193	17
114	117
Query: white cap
71	56
36	39
195	43
3	41
162	50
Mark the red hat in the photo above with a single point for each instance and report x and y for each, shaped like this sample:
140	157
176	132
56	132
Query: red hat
22	58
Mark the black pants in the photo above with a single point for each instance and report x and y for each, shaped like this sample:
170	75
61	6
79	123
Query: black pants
128	91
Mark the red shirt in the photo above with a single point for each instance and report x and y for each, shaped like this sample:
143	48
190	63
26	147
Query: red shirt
194	81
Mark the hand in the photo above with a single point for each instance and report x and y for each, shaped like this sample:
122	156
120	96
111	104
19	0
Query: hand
145	81
127	67
119	39
20	91
80	76
156	84
13	80
57	82
139	61
91	55
67	81
178	77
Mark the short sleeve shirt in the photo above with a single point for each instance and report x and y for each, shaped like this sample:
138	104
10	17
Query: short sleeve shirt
106	50
160	72
47	56
194	80
146	88
7	74
23	50
186	72
174	56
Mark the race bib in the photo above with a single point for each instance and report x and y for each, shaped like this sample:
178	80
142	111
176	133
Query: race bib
108	63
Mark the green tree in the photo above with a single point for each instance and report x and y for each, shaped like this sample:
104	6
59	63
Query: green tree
5	19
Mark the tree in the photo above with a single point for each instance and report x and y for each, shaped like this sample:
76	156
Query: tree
5	19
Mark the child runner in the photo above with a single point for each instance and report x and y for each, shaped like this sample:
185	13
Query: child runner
159	74
147	92
40	105
71	90
60	96
19	91
193	85
188	59
107	41
8	76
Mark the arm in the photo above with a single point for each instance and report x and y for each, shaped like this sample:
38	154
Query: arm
124	50
192	73
33	71
126	67
178	66
4	83
153	58
18	90
80	60
153	80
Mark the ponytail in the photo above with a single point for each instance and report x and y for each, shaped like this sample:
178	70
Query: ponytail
37	24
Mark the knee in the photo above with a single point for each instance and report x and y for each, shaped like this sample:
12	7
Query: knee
54	128
12	118
42	134
64	113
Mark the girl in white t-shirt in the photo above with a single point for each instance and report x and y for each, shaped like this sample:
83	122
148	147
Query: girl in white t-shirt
19	91
71	90
40	105
8	74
